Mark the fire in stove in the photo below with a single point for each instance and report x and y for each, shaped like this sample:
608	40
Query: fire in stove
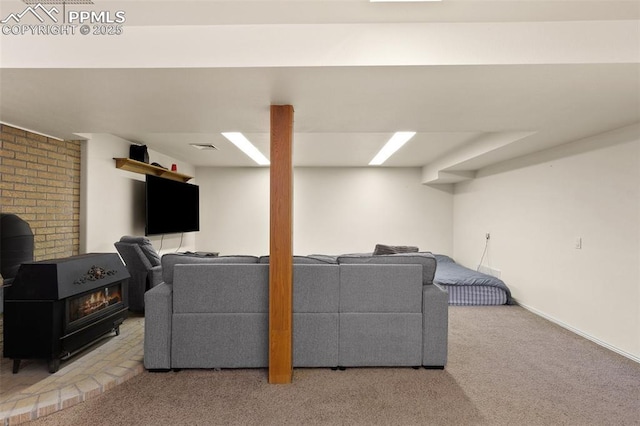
93	302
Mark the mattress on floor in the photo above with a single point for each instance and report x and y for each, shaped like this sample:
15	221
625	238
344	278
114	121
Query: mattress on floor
478	295
469	287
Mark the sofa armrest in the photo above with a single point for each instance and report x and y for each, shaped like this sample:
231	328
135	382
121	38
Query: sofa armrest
435	325
155	276
157	327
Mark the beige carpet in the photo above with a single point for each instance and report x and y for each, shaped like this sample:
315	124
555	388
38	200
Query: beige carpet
506	367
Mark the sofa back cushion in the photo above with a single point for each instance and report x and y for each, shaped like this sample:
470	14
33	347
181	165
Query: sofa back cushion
380	289
307	260
427	260
169	261
220	288
316	288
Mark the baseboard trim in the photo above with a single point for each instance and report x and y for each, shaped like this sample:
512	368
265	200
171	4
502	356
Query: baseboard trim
578	332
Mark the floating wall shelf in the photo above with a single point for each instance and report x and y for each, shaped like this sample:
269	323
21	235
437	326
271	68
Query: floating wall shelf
147	169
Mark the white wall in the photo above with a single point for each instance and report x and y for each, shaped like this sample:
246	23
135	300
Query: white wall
234	210
343	210
336	210
536	207
112	200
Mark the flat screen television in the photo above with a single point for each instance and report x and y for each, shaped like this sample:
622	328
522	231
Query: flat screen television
172	206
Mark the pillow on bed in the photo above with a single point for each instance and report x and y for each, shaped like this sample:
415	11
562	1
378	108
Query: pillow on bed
385	249
441	258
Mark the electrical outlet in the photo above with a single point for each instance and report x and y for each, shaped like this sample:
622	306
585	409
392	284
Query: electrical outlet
578	244
487	235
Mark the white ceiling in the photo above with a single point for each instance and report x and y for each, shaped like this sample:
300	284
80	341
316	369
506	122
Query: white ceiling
243	12
479	81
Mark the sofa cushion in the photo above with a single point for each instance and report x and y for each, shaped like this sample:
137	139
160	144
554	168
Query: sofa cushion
332	260
369	254
315	339
221	288
385	340
381	288
426	259
207	340
172	259
385	249
316	288
307	260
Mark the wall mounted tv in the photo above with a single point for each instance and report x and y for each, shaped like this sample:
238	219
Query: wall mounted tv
172	206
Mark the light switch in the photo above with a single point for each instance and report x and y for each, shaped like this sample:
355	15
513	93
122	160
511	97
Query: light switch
579	243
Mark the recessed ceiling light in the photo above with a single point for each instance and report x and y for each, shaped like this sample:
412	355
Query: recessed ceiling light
204	146
239	140
395	143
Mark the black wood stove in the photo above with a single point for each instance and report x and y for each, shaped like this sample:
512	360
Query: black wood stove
54	308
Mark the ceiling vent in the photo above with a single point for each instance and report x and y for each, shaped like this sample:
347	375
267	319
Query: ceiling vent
204	146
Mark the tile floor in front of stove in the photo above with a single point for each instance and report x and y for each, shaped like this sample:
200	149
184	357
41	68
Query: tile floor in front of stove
33	392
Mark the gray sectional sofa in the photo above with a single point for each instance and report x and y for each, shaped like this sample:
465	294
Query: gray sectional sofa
348	311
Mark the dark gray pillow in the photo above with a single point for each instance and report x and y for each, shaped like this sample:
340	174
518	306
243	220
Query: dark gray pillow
385	249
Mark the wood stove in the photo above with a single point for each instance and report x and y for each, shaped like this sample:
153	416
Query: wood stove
54	308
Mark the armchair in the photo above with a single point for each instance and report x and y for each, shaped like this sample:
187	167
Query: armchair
143	264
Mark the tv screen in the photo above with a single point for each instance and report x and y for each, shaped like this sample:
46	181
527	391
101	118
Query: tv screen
172	206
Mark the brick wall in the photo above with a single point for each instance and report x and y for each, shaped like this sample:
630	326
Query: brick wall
40	182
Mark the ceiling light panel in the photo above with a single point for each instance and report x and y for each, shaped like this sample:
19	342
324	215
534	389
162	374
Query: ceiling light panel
240	141
395	143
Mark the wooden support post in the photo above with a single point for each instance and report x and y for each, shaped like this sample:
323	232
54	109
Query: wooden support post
281	246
